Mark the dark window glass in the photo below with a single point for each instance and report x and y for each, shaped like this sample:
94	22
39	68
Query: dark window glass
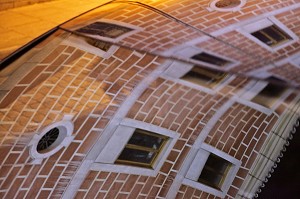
205	77
269	95
47	140
139	138
271	35
211	59
104	29
136	155
214	171
142	149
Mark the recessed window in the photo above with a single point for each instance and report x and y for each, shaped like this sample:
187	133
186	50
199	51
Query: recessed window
211	170
214	171
142	148
270	33
210	59
104	29
271	36
135	147
269	95
204	77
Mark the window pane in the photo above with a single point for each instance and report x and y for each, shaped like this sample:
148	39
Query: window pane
211	59
210	178
214	171
217	164
262	37
145	139
269	95
136	155
271	35
104	29
274	33
204	77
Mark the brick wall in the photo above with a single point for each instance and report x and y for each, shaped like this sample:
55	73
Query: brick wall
67	81
160	33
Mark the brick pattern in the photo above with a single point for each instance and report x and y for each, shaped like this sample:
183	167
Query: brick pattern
241	132
67	81
287	71
196	13
172	106
160	33
189	192
157	33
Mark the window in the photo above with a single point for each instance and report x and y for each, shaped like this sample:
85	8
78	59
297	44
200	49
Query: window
51	139
211	170
271	35
204	77
227	5
142	148
269	95
210	59
47	140
214	172
134	147
104	29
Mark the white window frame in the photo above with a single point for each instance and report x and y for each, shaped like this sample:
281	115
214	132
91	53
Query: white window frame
246	30
83	45
189	51
178	69
198	163
115	145
254	88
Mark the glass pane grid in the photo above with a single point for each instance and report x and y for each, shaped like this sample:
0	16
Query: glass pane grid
142	149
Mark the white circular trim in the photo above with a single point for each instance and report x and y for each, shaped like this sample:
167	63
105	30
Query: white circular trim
230	9
64	139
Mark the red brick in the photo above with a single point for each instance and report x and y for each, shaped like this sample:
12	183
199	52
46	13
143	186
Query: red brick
14	189
12	96
13	173
94	189
88	181
75	56
31	176
35	188
32	75
53	177
51	57
37	82
88	124
114	189
69	152
109	181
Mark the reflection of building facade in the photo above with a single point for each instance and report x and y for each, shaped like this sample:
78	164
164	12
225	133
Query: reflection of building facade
130	102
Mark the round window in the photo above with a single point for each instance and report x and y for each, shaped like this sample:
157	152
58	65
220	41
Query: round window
50	140
227	5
